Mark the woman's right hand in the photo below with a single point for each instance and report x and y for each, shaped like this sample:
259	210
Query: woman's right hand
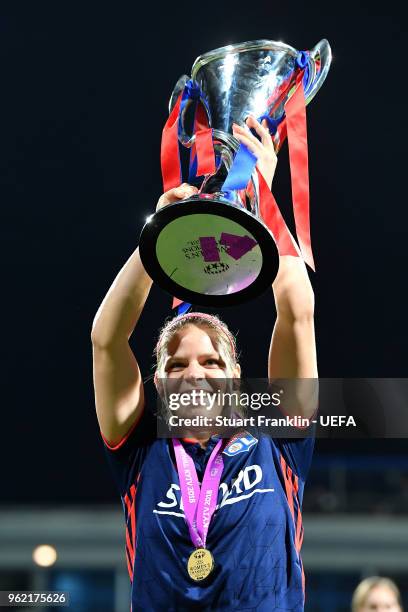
175	195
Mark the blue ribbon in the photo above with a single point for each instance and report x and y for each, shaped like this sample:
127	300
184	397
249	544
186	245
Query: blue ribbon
272	123
192	174
183	307
241	170
192	169
302	61
192	91
229	195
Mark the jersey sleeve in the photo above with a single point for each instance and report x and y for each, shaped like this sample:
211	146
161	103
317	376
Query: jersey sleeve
297	453
126	458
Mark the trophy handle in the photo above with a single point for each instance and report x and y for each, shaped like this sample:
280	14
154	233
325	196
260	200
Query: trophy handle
186	139
320	58
178	88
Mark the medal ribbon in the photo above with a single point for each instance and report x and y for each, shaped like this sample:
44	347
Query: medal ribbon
199	505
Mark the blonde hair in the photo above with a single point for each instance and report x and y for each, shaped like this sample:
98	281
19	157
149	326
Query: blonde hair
226	343
366	586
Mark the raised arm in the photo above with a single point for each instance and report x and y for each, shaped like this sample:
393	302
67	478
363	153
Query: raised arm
117	380
118	384
292	353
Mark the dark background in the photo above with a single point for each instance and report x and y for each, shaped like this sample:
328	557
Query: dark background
84	99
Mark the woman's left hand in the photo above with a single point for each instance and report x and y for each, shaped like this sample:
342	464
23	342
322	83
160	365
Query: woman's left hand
263	150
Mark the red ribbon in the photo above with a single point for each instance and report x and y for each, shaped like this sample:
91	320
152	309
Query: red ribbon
273	219
200	123
295	109
170	154
205	152
170	157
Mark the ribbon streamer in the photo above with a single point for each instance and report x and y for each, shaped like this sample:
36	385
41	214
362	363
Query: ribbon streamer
205	152
241	170
295	110
273	219
170	153
200	123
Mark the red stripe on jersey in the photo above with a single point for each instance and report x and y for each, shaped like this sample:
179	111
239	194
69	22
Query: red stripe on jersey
129	565
129	543
133	518
292	494
130	505
133	522
287	475
298	514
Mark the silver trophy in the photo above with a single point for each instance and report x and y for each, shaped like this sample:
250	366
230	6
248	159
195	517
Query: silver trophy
213	249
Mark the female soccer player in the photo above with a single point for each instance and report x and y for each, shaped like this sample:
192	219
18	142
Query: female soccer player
241	548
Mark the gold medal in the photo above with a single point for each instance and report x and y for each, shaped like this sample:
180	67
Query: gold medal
200	564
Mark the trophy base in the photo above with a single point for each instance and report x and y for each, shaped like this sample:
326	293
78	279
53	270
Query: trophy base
208	252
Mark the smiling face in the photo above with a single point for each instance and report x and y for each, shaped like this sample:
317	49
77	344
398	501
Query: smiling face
194	353
195	360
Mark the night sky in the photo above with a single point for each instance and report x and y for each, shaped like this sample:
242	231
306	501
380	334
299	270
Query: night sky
84	94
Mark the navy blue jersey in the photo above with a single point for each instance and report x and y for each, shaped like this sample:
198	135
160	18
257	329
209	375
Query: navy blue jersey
255	534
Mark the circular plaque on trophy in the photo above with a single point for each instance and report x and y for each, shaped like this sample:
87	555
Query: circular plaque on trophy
207	251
